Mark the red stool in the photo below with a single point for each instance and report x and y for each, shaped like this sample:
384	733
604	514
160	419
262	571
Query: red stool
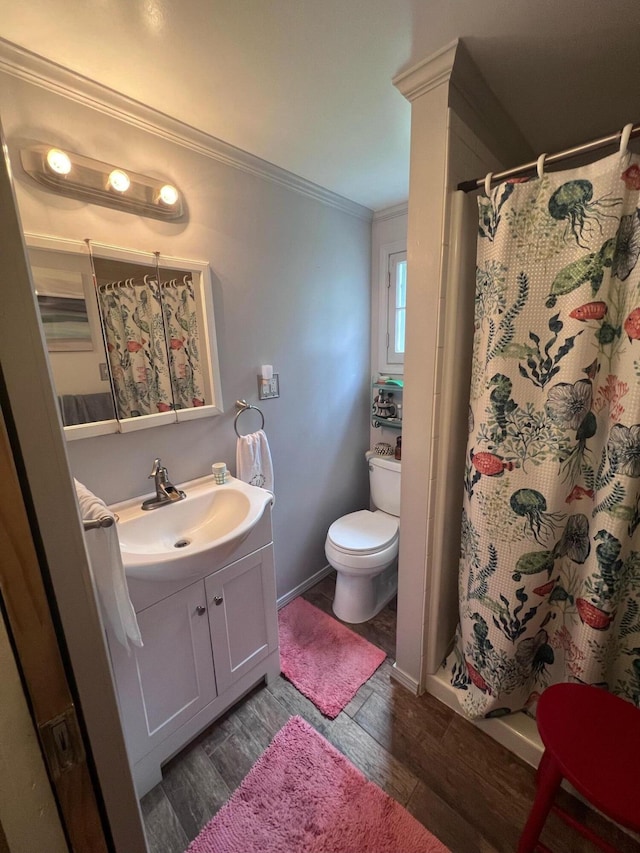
592	739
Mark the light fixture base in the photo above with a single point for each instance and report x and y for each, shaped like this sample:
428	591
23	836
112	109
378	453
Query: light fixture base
91	180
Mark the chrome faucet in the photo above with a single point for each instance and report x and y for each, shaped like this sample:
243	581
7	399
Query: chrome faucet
166	492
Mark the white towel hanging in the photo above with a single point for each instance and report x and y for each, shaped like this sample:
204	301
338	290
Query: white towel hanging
105	561
253	460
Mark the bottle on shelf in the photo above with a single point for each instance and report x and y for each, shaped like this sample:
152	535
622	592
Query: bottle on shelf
398	451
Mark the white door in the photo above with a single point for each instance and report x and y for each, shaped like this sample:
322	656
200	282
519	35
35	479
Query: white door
243	615
171	678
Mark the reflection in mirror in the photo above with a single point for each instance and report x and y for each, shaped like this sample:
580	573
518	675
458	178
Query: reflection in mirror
130	304
162	360
182	329
68	309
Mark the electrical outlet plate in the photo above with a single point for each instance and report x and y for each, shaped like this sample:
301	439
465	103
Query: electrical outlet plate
268	388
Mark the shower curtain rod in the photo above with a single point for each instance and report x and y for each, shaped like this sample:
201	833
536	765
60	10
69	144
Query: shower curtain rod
469	186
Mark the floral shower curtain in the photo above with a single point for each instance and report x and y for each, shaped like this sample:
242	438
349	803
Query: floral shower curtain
550	550
179	305
136	346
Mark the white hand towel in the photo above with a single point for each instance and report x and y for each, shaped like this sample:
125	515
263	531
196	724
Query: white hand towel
253	460
105	561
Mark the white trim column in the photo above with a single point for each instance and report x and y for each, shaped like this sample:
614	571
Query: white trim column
426	86
448	97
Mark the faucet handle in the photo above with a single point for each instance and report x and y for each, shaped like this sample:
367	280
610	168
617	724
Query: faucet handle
157	466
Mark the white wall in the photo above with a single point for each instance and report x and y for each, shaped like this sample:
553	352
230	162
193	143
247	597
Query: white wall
291	288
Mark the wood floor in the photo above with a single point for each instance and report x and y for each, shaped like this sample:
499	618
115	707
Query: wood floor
463	786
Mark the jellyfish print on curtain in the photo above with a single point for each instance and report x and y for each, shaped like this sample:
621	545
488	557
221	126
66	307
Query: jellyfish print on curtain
550	549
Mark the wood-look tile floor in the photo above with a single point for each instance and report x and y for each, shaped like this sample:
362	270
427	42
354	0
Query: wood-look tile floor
462	785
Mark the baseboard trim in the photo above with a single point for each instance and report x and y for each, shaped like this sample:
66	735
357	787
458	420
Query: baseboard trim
304	586
402	678
517	732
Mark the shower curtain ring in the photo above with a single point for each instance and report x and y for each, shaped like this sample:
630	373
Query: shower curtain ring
540	165
487	183
625	135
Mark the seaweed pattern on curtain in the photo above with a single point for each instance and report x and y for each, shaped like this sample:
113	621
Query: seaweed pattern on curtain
136	347
179	305
549	581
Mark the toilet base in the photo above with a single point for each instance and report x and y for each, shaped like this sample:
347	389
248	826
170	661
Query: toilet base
358	599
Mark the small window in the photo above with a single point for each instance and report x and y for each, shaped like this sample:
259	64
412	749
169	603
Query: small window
396	307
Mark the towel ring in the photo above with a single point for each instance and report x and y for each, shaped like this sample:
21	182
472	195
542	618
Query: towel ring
243	406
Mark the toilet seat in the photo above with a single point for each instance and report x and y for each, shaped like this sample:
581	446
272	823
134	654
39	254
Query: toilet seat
363	533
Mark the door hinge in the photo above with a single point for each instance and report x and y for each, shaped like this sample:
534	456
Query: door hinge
62	743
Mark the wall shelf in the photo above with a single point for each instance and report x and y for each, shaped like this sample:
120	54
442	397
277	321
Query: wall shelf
386	405
391	423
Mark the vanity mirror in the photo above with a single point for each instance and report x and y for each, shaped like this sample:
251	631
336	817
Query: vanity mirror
133	346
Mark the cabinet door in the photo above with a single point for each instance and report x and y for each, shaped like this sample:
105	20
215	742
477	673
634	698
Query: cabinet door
165	683
243	615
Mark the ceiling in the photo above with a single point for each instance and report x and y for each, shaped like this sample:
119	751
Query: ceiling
306	84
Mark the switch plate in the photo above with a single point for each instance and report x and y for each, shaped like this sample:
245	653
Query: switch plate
62	743
268	388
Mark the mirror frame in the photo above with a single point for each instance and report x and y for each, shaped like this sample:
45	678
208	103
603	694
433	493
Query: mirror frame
201	274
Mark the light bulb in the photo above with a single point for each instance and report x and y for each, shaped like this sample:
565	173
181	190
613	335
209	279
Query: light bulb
58	161
169	195
119	181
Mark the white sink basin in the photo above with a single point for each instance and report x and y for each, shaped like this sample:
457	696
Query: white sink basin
180	539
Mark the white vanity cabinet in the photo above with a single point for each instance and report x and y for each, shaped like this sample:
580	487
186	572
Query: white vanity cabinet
244	629
164	684
205	644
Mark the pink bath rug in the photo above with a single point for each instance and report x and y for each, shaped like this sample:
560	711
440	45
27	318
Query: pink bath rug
327	662
303	796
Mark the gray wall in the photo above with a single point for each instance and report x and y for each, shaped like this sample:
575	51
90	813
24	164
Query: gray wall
291	278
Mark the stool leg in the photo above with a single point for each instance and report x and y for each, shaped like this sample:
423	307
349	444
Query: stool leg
548	779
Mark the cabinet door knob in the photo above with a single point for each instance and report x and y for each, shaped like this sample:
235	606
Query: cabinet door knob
217	600
200	610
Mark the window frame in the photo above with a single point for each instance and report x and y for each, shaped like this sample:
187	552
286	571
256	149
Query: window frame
386	309
395	258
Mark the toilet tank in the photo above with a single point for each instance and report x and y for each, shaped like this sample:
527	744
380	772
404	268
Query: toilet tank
384	482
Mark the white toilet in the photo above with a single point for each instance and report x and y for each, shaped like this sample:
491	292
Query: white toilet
363	547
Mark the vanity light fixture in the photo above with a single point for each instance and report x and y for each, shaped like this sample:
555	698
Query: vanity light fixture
101	183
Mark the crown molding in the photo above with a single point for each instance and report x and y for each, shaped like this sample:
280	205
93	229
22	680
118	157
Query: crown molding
427	74
391	212
469	96
475	103
39	71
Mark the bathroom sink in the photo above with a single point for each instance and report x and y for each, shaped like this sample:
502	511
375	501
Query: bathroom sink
181	539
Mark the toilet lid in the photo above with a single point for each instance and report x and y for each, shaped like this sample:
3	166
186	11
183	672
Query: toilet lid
363	532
